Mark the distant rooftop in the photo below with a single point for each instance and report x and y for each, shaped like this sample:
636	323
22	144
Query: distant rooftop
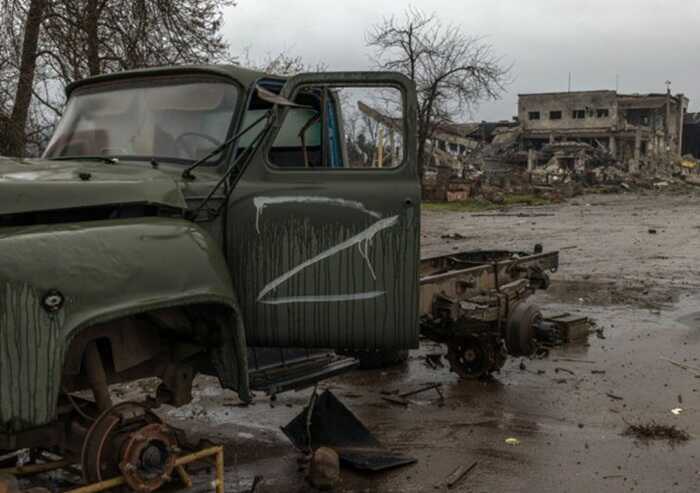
558	93
609	92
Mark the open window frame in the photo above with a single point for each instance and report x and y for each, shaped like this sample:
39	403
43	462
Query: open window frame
335	80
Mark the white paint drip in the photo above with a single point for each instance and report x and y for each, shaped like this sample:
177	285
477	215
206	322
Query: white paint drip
262	202
364	236
324	298
363	247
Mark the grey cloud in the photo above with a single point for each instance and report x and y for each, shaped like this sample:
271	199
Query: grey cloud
643	42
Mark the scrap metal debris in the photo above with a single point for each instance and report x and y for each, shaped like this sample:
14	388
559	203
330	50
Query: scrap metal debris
453	236
570	327
396	400
395	397
614	397
434	360
458	474
692	369
655	431
425	388
326	422
257	481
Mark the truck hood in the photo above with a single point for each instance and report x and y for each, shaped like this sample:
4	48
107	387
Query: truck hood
40	185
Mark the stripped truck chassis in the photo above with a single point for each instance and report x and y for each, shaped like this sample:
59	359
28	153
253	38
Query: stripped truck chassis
477	304
127	266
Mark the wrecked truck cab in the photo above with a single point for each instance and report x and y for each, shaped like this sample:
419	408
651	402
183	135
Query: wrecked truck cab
180	216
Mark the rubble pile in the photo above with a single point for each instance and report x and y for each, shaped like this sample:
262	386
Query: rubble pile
556	170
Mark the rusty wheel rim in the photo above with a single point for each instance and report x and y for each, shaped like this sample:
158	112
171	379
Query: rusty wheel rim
100	452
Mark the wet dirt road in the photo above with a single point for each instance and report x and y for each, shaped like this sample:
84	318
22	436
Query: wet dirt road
567	411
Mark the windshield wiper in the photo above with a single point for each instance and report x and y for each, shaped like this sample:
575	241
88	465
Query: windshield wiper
239	166
104	159
187	174
241	163
265	95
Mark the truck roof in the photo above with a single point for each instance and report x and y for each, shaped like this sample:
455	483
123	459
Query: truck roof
243	75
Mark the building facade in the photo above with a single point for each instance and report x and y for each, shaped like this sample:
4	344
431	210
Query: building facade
691	135
629	126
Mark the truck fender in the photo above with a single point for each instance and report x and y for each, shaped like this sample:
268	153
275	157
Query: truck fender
56	280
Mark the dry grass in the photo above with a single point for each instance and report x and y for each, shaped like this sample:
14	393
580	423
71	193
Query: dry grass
480	204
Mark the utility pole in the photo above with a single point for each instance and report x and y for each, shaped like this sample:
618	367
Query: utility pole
667	118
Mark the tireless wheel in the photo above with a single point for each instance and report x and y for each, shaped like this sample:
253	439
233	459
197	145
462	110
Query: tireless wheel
130	440
474	357
521	328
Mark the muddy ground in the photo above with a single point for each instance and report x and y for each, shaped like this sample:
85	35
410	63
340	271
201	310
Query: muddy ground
632	264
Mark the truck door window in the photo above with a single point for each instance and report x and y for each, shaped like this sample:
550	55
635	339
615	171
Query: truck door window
344	127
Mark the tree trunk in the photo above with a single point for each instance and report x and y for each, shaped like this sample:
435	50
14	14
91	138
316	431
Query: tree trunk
425	130
421	156
14	133
93	41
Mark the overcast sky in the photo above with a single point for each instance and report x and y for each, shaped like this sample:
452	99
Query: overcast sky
641	42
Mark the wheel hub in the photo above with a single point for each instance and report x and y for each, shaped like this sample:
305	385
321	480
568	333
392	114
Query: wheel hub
521	328
470	355
130	440
148	457
474	357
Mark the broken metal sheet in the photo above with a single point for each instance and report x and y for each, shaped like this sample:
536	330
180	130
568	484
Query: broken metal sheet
333	425
276	99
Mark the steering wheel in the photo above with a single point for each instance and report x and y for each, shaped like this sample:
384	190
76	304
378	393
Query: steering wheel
180	142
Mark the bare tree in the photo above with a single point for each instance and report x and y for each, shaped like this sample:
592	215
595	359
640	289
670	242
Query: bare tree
283	63
90	37
54	42
452	70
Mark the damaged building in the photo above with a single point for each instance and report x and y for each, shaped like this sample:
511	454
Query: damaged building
691	135
628	126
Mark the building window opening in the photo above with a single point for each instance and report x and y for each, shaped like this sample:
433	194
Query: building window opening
578	114
603	113
555	115
534	115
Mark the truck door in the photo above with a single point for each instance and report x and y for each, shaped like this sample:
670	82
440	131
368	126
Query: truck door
324	226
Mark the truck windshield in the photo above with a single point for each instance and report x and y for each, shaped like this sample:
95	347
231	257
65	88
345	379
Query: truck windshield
180	122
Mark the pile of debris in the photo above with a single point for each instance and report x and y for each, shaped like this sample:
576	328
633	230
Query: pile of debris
557	170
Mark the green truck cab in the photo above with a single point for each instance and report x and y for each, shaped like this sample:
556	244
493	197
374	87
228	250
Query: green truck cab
182	215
